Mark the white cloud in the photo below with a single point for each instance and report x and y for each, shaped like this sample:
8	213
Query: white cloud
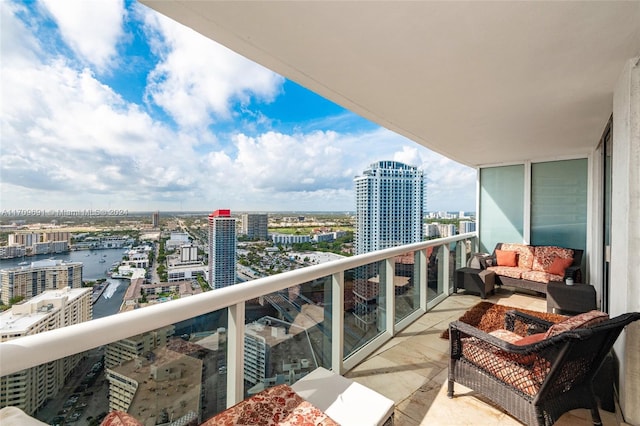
197	78
90	28
71	141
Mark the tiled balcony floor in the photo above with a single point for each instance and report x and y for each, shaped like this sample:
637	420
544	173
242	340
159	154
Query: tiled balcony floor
411	369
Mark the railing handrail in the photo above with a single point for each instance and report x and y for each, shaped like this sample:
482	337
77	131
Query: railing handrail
30	351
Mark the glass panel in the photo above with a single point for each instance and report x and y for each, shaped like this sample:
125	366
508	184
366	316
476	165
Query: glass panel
364	298
175	373
407	284
435	277
501	206
287	335
559	203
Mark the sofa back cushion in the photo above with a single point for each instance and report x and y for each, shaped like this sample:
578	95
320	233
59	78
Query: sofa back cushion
525	254
544	257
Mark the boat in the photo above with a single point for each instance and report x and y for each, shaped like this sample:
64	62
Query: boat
102	260
23	263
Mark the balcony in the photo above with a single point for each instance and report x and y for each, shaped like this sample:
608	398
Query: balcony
193	357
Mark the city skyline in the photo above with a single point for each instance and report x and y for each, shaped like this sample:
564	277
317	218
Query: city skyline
114	106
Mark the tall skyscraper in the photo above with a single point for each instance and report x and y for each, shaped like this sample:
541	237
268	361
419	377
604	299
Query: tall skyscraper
155	219
390	199
255	226
222	249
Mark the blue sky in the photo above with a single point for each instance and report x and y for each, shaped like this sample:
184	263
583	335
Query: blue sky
109	105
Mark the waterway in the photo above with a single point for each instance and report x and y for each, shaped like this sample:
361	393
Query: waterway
93	269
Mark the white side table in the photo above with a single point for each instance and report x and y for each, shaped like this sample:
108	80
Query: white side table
347	402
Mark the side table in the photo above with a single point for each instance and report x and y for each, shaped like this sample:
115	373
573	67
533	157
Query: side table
575	299
474	280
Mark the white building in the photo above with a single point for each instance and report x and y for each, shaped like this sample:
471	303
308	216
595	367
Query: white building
12	251
176	240
222	249
188	254
288	239
31	388
431	230
447	229
390	199
467	226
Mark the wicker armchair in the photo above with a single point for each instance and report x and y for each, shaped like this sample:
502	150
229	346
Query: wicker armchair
538	382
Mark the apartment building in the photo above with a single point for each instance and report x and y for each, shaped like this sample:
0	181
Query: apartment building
29	389
29	281
222	249
255	226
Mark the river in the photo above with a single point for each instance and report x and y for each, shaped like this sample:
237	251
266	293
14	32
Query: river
93	269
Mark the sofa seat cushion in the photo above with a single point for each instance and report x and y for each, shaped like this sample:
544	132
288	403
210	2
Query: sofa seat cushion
525	254
545	255
508	271
525	376
279	405
541	277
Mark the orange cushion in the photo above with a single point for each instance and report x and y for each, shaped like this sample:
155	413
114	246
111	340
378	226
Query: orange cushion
527	340
506	258
559	265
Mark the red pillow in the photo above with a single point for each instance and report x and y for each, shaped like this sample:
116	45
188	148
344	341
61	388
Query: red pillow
559	265
506	258
527	340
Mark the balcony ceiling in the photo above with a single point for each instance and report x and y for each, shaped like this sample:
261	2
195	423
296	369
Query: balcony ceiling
479	82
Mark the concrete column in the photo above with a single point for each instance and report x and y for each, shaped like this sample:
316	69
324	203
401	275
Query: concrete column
625	232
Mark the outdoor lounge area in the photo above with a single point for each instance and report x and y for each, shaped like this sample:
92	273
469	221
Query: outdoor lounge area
412	369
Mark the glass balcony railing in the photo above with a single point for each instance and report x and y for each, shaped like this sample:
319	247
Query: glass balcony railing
191	358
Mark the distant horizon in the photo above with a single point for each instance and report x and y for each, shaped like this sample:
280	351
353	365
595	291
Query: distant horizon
4	216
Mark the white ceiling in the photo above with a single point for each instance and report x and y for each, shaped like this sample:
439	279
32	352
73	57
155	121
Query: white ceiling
480	82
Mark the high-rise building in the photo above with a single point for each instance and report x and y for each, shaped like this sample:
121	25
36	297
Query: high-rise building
29	281
29	389
155	219
390	199
222	249
255	226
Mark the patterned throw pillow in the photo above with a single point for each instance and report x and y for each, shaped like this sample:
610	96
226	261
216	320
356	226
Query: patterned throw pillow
587	319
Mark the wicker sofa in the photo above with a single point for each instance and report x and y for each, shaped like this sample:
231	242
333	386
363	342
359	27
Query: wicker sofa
534	266
535	377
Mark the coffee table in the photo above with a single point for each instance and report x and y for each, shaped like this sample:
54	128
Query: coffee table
474	280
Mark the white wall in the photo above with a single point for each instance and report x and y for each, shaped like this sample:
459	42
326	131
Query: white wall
625	232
